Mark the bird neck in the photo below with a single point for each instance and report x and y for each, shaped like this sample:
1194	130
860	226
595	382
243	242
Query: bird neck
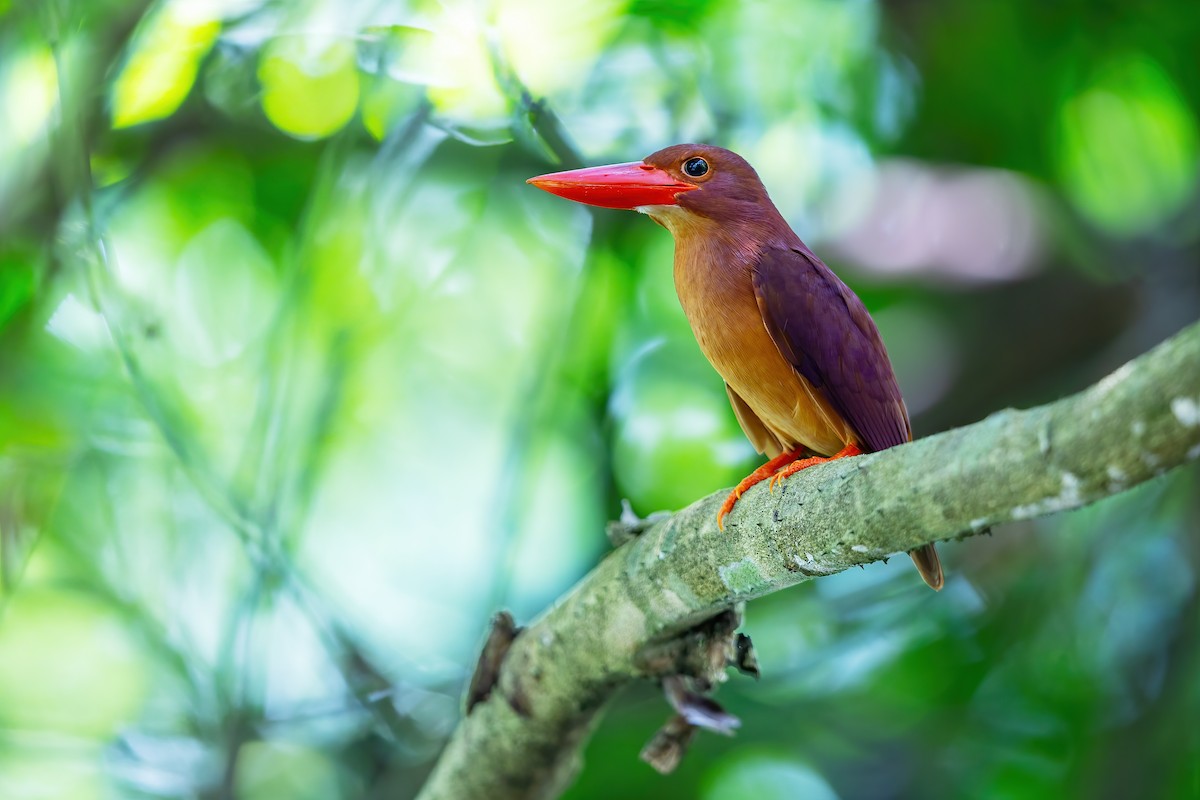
724	242
718	253
713	268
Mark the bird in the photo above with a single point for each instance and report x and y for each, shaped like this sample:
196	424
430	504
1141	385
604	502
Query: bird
804	366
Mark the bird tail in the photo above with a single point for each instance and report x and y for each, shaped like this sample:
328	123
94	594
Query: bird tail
926	559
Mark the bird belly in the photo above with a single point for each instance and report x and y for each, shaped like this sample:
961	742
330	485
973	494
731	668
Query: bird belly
735	341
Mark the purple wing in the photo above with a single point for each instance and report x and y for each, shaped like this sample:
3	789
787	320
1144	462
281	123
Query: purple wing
824	330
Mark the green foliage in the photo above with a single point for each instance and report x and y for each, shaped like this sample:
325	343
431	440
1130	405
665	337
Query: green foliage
299	381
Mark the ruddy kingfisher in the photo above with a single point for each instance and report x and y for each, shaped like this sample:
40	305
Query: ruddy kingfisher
807	373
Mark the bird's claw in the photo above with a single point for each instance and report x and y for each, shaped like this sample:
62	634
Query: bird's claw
775	472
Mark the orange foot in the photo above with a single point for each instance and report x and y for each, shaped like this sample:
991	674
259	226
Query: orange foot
776	470
805	463
758	476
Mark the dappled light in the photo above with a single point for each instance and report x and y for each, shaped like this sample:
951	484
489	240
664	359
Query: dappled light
300	382
162	65
1128	146
309	87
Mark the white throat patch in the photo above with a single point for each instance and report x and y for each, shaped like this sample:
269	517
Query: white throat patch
669	217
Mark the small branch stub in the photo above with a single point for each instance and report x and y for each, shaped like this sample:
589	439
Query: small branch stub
744	659
503	633
669	745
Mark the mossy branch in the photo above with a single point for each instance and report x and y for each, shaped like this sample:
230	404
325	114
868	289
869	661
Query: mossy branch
524	740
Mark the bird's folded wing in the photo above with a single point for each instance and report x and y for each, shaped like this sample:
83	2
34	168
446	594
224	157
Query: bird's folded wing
824	330
756	431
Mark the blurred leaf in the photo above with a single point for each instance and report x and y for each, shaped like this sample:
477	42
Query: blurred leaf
162	68
310	85
1127	147
225	291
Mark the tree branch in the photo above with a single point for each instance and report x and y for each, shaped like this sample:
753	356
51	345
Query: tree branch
524	740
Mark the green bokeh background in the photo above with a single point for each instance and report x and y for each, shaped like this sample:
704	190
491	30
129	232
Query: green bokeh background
299	381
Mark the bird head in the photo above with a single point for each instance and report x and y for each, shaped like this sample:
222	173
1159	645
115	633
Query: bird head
681	181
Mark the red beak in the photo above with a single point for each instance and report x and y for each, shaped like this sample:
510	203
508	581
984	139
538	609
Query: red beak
615	186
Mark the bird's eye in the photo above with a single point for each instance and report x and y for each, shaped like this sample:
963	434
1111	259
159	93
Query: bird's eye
695	167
